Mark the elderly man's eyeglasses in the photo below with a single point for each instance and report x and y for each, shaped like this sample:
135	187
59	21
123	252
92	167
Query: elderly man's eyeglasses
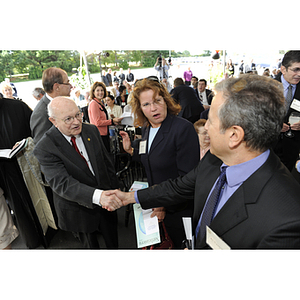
70	120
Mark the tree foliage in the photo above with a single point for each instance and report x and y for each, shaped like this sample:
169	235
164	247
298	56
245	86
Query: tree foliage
34	62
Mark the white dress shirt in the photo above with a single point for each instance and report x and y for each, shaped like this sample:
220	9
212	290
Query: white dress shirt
80	145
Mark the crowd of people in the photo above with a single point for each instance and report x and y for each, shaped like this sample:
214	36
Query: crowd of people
191	137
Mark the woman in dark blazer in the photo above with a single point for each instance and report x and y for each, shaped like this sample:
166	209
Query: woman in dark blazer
169	146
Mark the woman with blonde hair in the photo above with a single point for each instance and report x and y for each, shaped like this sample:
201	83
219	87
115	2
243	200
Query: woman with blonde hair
7	90
169	146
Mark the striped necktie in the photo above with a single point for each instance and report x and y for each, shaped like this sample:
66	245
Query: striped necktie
211	205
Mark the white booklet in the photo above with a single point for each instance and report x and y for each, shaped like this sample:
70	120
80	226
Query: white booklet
9	153
147	229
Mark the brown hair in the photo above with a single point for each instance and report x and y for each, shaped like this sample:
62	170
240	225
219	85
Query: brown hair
51	76
199	124
93	88
158	89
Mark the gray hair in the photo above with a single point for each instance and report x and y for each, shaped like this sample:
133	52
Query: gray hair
255	103
37	91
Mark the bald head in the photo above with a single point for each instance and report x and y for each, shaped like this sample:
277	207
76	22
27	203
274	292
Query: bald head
65	115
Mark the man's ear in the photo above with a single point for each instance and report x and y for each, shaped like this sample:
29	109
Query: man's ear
53	121
283	69
236	136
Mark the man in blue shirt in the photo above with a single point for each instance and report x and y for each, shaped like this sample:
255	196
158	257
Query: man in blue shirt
258	205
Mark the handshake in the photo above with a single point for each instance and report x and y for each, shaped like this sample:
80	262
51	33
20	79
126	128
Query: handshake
114	199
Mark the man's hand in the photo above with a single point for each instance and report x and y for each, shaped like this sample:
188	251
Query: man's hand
125	198
110	201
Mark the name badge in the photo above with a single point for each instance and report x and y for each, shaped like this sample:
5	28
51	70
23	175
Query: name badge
142	149
295	105
215	242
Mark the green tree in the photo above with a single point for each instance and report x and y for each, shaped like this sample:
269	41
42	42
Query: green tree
6	64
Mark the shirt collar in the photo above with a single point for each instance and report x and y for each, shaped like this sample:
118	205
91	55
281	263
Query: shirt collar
68	138
285	83
237	174
50	98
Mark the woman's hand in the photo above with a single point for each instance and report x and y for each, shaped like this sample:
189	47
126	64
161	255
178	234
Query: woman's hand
117	120
126	142
160	212
295	126
285	127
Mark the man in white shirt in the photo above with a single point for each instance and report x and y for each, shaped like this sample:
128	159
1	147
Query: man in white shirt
205	95
78	168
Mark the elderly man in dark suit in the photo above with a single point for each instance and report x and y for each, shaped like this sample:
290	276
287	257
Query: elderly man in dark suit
241	189
288	145
56	83
191	108
78	168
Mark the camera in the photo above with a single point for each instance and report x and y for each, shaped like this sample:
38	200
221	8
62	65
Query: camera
160	60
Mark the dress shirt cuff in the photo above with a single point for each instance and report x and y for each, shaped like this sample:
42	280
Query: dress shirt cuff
96	197
136	198
298	166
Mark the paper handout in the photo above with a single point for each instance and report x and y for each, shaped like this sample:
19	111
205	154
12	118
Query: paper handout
214	241
147	230
187	225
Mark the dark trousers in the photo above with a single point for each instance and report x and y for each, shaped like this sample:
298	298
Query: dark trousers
108	228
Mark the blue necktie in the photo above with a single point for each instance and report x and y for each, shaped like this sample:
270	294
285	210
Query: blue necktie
211	205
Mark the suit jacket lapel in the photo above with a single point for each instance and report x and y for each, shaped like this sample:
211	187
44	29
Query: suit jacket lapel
87	140
235	209
66	148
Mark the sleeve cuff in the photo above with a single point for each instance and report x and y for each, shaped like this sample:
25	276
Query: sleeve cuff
96	197
136	198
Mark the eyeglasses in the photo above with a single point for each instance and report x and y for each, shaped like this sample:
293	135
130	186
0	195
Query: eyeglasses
295	70
68	83
204	133
70	120
156	102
